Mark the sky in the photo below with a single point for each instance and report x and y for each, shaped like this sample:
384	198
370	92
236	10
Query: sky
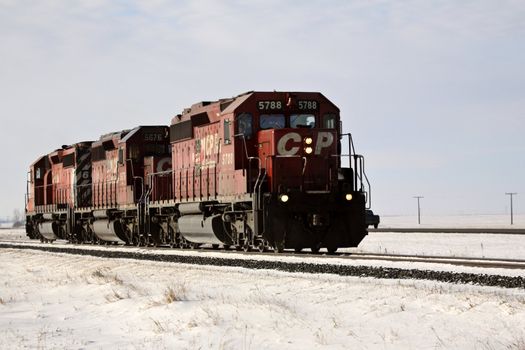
432	91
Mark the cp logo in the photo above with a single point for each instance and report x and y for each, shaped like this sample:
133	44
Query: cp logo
164	164
290	143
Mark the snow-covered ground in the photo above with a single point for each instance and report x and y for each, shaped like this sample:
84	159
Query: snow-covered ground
4	225
61	301
498	246
13	234
495	246
456	221
54	301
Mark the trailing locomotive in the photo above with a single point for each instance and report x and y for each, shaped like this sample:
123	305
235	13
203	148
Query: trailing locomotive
262	170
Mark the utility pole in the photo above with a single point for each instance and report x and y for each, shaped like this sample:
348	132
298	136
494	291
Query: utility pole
418	209
511	207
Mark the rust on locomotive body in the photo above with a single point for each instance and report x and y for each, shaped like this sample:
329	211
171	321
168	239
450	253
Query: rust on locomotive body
259	170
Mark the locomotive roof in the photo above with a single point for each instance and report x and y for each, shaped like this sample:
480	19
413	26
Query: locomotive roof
135	130
213	109
129	134
122	136
237	102
39	159
114	134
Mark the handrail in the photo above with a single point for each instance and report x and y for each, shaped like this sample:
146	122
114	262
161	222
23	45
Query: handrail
360	177
156	176
134	179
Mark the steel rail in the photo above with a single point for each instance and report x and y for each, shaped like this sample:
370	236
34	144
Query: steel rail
478	230
450	260
293	267
484	262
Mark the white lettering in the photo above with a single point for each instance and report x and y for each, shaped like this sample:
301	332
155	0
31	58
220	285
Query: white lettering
324	139
281	145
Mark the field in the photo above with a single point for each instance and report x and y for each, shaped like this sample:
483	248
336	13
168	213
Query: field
50	300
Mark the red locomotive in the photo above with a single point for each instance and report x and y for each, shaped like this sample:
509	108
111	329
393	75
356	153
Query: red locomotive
260	170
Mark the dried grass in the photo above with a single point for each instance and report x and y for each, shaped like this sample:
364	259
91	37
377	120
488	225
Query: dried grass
518	344
117	295
104	275
159	327
175	293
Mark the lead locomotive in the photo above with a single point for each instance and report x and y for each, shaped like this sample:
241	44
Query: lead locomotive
260	170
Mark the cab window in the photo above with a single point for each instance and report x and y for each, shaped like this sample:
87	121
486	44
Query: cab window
133	153
271	121
226	132
302	121
329	121
245	124
120	156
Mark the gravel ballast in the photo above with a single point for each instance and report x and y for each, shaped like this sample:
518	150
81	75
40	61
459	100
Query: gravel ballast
310	268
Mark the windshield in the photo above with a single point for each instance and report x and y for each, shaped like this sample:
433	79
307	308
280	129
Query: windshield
272	121
302	121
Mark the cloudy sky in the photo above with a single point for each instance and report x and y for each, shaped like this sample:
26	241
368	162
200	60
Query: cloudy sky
433	91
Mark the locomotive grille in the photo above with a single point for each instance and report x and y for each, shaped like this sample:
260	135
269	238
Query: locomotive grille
98	153
69	160
83	179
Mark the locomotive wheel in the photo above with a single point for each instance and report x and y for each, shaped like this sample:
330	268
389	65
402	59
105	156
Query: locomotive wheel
142	241
261	245
298	250
82	236
170	239
175	238
315	249
175	241
153	241
332	250
215	246
278	247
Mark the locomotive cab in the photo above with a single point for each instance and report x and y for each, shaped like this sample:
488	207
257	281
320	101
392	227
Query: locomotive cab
303	197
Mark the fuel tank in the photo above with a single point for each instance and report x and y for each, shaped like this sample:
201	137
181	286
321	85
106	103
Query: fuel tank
209	230
48	229
108	230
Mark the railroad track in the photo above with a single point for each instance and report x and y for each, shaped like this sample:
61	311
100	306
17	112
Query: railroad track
429	259
450	260
154	254
479	230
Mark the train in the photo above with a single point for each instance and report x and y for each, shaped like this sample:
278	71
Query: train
258	171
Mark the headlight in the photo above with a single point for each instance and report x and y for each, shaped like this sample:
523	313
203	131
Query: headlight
349	197
308	150
308	140
284	198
